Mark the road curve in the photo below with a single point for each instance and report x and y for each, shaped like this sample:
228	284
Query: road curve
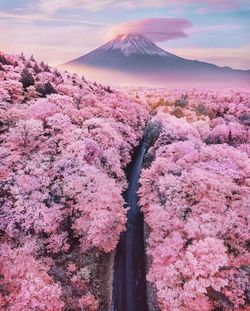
129	286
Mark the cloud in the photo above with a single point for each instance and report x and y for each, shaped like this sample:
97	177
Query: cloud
55	5
54	44
237	58
203	6
156	29
46	18
217	28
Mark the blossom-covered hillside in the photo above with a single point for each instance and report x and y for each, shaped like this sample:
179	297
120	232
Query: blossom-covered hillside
195	196
64	145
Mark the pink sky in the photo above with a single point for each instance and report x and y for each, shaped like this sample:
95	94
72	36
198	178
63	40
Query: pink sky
59	30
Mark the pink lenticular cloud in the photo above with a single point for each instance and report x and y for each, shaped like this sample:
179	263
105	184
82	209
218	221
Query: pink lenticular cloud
157	29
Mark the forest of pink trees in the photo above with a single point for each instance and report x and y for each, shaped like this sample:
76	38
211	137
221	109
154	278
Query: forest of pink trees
64	147
195	197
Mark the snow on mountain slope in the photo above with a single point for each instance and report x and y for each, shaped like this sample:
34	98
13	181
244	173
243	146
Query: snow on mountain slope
134	44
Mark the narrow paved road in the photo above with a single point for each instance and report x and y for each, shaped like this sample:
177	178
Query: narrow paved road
129	292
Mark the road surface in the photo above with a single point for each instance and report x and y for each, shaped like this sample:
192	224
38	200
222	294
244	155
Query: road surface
129	288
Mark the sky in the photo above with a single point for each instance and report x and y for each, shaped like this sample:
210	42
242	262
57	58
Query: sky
56	31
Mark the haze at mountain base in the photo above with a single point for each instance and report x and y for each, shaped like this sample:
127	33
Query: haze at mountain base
118	78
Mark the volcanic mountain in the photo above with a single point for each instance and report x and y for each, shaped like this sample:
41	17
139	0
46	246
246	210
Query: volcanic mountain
136	54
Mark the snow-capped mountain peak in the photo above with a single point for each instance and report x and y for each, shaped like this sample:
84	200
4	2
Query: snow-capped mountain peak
133	43
137	55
